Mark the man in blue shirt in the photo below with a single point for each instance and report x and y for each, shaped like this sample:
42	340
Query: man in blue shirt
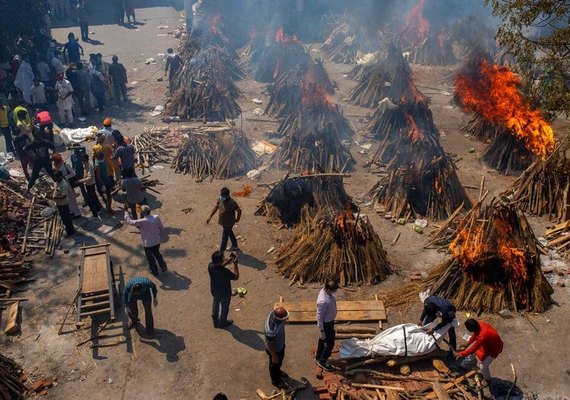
73	49
435	306
143	289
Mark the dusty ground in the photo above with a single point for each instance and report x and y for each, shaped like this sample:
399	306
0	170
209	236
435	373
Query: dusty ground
191	360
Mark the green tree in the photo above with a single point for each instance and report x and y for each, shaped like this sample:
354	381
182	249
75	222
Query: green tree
19	18
536	33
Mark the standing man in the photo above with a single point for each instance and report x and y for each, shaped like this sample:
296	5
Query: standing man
151	229
119	12
435	306
64	100
173	62
485	342
143	289
221	287
73	49
38	95
89	182
107	152
107	131
39	150
129	10
61	200
229	214
135	191
275	345
83	18
119	77
82	89
326	314
125	152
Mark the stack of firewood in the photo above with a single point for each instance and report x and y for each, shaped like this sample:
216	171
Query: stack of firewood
340	246
435	49
150	148
391	79
344	43
544	188
14	210
481	129
204	88
285	201
217	153
495	264
287	92
280	56
11	384
559	238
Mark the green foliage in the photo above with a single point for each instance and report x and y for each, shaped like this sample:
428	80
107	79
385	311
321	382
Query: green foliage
19	18
536	34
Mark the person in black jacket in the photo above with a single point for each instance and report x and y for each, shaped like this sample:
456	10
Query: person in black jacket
221	287
435	306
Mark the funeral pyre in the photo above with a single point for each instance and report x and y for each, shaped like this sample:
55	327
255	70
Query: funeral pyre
220	153
493	92
286	200
388	79
283	54
544	187
286	93
313	137
204	88
344	43
337	245
494	264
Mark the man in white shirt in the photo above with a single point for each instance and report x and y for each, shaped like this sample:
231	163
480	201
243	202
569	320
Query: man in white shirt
64	99
38	95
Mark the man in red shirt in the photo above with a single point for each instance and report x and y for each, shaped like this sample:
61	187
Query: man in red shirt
485	342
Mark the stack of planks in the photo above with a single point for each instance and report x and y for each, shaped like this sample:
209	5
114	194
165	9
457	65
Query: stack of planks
150	149
559	238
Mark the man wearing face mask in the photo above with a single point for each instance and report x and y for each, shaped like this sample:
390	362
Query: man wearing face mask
275	345
326	314
229	214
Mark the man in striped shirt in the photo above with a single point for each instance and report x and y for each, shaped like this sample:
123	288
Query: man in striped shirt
143	289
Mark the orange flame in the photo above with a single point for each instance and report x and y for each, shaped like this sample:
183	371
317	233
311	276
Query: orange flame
495	94
416	27
414	132
315	95
280	37
344	218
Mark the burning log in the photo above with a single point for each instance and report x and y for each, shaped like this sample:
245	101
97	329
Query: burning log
426	188
483	130
340	246
544	187
390	79
282	55
286	93
493	92
219	154
285	201
495	265
435	49
507	155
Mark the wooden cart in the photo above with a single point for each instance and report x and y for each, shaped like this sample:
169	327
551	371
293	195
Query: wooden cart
97	286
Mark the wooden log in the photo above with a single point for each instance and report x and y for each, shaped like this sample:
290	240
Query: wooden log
440	391
12	325
371	386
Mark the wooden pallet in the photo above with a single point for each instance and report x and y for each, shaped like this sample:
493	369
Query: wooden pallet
96	282
362	310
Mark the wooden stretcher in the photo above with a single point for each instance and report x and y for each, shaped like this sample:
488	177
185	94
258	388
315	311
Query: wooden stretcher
97	286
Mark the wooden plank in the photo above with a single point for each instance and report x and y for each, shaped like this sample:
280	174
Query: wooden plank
306	316
95	277
94	246
95	312
12	325
362	305
450	385
440	391
392	394
95	305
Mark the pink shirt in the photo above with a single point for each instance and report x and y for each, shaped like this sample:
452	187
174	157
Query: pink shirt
150	226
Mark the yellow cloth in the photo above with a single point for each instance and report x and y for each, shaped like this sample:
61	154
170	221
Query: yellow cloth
108	154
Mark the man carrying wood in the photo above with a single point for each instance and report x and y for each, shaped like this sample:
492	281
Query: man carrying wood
326	314
485	342
229	214
143	289
435	306
221	287
275	345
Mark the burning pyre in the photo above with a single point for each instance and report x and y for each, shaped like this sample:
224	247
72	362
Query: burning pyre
204	88
286	200
313	136
344	43
435	49
280	56
286	93
493	92
495	265
329	245
216	153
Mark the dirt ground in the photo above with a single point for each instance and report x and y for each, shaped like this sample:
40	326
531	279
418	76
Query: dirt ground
191	360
